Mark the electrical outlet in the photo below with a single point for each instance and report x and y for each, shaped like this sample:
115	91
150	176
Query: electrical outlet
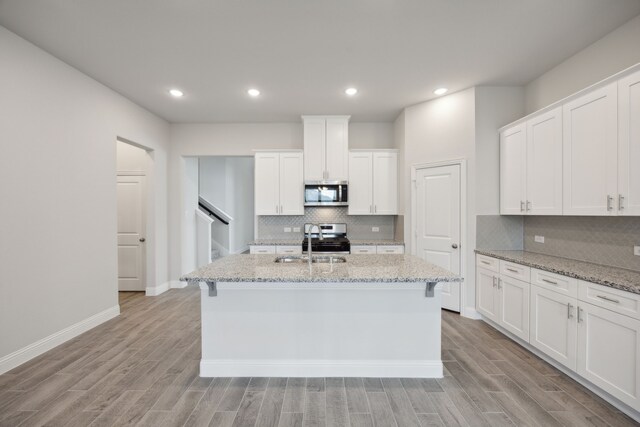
287	229
636	250
375	229
539	239
296	229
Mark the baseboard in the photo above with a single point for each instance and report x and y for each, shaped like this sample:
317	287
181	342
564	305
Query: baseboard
27	353
471	313
177	284
623	407
152	291
321	368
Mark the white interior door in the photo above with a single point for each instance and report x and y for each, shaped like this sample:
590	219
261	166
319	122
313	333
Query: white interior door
131	233
438	224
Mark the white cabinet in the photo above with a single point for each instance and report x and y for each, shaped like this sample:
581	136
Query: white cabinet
262	249
326	148
553	325
590	153
363	249
609	352
389	249
513	151
289	250
488	302
373	182
514	306
279	183
544	164
531	166
629	145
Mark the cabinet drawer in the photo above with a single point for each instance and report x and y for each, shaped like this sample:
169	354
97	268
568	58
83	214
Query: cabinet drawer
516	271
555	282
488	263
364	249
388	249
622	302
289	250
262	249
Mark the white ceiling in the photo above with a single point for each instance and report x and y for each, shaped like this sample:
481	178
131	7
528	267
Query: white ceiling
302	54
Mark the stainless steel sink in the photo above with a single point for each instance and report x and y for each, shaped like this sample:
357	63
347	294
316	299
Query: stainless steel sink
323	259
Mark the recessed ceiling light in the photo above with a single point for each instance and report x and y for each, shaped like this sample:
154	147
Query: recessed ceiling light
253	92
176	92
351	91
440	91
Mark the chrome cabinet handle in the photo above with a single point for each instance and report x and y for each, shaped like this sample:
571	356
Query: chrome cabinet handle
485	262
609	203
455	246
569	307
142	240
512	270
495	280
528	206
620	202
375	208
579	318
549	281
608	299
499	283
521	206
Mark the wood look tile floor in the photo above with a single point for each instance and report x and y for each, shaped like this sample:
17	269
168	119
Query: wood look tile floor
142	369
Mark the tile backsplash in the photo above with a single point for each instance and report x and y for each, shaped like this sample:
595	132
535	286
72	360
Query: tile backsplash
499	232
358	226
601	240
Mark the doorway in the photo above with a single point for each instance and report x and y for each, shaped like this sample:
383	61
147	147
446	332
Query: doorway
132	166
437	222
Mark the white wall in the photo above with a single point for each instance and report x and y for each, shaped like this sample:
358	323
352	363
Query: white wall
614	52
58	263
213	180
371	135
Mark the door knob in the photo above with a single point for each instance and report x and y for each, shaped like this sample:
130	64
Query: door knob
142	240
454	246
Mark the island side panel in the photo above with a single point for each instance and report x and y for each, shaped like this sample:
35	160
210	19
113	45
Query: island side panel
310	330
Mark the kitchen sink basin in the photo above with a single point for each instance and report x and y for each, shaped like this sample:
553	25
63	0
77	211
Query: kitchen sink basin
323	259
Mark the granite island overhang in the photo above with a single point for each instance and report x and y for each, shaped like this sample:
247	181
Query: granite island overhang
371	316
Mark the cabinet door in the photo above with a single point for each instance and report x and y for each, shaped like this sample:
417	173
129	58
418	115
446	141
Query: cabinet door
337	149
544	164
553	325
360	183
609	352
314	148
487	298
629	145
385	183
267	184
291	184
590	171
513	152
514	306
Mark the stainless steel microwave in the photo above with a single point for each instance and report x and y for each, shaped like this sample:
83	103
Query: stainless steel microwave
326	193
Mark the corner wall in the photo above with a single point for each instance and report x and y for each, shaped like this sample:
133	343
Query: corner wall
58	250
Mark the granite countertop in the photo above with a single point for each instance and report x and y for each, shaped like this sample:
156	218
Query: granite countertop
619	278
358	268
297	242
276	242
371	242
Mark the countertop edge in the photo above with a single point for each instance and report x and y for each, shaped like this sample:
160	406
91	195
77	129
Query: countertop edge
355	242
568	273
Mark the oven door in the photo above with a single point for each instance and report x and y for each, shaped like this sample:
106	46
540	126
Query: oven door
323	193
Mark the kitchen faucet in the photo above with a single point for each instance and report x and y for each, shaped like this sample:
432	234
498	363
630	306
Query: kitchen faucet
320	236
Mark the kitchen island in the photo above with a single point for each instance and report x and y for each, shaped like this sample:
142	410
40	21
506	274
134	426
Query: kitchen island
367	316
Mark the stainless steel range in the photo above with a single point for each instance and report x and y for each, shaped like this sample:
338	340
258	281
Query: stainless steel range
334	239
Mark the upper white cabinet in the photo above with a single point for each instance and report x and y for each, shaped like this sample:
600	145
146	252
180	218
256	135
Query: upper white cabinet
629	145
531	166
513	152
326	148
591	153
373	182
279	183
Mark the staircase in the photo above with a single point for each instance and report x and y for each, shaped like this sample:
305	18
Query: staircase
215	254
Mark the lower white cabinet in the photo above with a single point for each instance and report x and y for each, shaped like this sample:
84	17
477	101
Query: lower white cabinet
262	249
289	250
609	352
504	300
363	249
553	325
377	249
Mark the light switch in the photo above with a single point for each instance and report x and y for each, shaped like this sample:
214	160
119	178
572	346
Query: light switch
375	229
636	250
296	229
287	229
539	239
